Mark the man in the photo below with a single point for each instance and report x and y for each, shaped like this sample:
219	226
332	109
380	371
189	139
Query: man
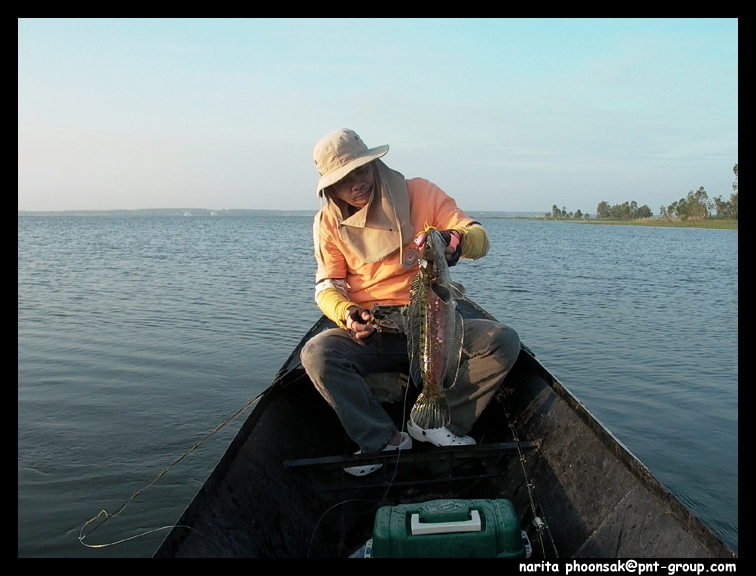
366	255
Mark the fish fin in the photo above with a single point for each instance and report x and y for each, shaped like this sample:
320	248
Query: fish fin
414	330
455	352
444	294
414	370
431	412
458	291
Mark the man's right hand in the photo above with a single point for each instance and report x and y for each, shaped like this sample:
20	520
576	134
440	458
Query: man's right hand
357	322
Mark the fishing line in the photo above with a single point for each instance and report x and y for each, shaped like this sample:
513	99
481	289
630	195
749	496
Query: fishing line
538	521
163	472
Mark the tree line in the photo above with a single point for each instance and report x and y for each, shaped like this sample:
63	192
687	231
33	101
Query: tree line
695	206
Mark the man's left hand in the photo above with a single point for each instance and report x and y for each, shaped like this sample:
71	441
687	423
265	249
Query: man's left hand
357	322
453	248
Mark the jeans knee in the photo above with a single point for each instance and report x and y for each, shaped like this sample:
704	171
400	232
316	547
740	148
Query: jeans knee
507	344
311	356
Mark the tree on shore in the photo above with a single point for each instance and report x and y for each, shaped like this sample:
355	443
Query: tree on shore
728	208
697	206
624	211
562	214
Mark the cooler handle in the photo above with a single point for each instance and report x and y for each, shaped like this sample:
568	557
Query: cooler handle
419	528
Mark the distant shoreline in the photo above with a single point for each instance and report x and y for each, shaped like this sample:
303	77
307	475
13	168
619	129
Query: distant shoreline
202	212
180	212
233	212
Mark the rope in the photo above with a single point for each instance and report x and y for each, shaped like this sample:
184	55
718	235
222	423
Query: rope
163	472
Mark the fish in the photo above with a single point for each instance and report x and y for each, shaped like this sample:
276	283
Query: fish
435	331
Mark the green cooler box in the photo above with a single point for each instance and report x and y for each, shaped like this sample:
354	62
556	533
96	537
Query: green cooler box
448	529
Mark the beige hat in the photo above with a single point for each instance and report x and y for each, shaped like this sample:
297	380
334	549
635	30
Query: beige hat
340	152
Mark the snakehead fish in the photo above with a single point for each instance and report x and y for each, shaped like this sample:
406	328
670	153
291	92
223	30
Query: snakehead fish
434	334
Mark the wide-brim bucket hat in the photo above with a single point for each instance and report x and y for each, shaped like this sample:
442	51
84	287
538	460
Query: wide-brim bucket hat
338	153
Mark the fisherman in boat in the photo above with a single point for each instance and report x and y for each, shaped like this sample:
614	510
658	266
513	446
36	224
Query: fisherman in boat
366	254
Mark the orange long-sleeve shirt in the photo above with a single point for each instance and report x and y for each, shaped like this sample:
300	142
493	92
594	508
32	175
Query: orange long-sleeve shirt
342	280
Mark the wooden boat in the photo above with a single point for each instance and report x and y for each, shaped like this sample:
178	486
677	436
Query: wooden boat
280	489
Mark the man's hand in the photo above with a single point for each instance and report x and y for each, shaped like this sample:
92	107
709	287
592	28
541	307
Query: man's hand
357	322
453	248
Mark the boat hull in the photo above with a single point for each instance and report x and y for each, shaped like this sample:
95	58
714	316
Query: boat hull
280	491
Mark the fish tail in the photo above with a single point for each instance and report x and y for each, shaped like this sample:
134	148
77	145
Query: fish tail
431	412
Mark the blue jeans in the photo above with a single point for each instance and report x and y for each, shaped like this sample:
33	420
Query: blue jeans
338	367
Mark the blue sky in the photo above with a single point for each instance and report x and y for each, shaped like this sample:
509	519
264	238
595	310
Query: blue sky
503	114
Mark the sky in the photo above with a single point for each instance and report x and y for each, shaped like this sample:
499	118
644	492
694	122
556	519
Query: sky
514	115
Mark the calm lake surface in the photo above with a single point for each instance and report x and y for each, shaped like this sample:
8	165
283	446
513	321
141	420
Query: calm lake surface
137	337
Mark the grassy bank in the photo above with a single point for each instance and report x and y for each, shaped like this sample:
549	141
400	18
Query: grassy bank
719	224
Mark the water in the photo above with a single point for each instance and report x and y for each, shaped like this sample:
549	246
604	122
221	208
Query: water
139	336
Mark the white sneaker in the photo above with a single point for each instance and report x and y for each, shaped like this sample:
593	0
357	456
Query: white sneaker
438	436
405	444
